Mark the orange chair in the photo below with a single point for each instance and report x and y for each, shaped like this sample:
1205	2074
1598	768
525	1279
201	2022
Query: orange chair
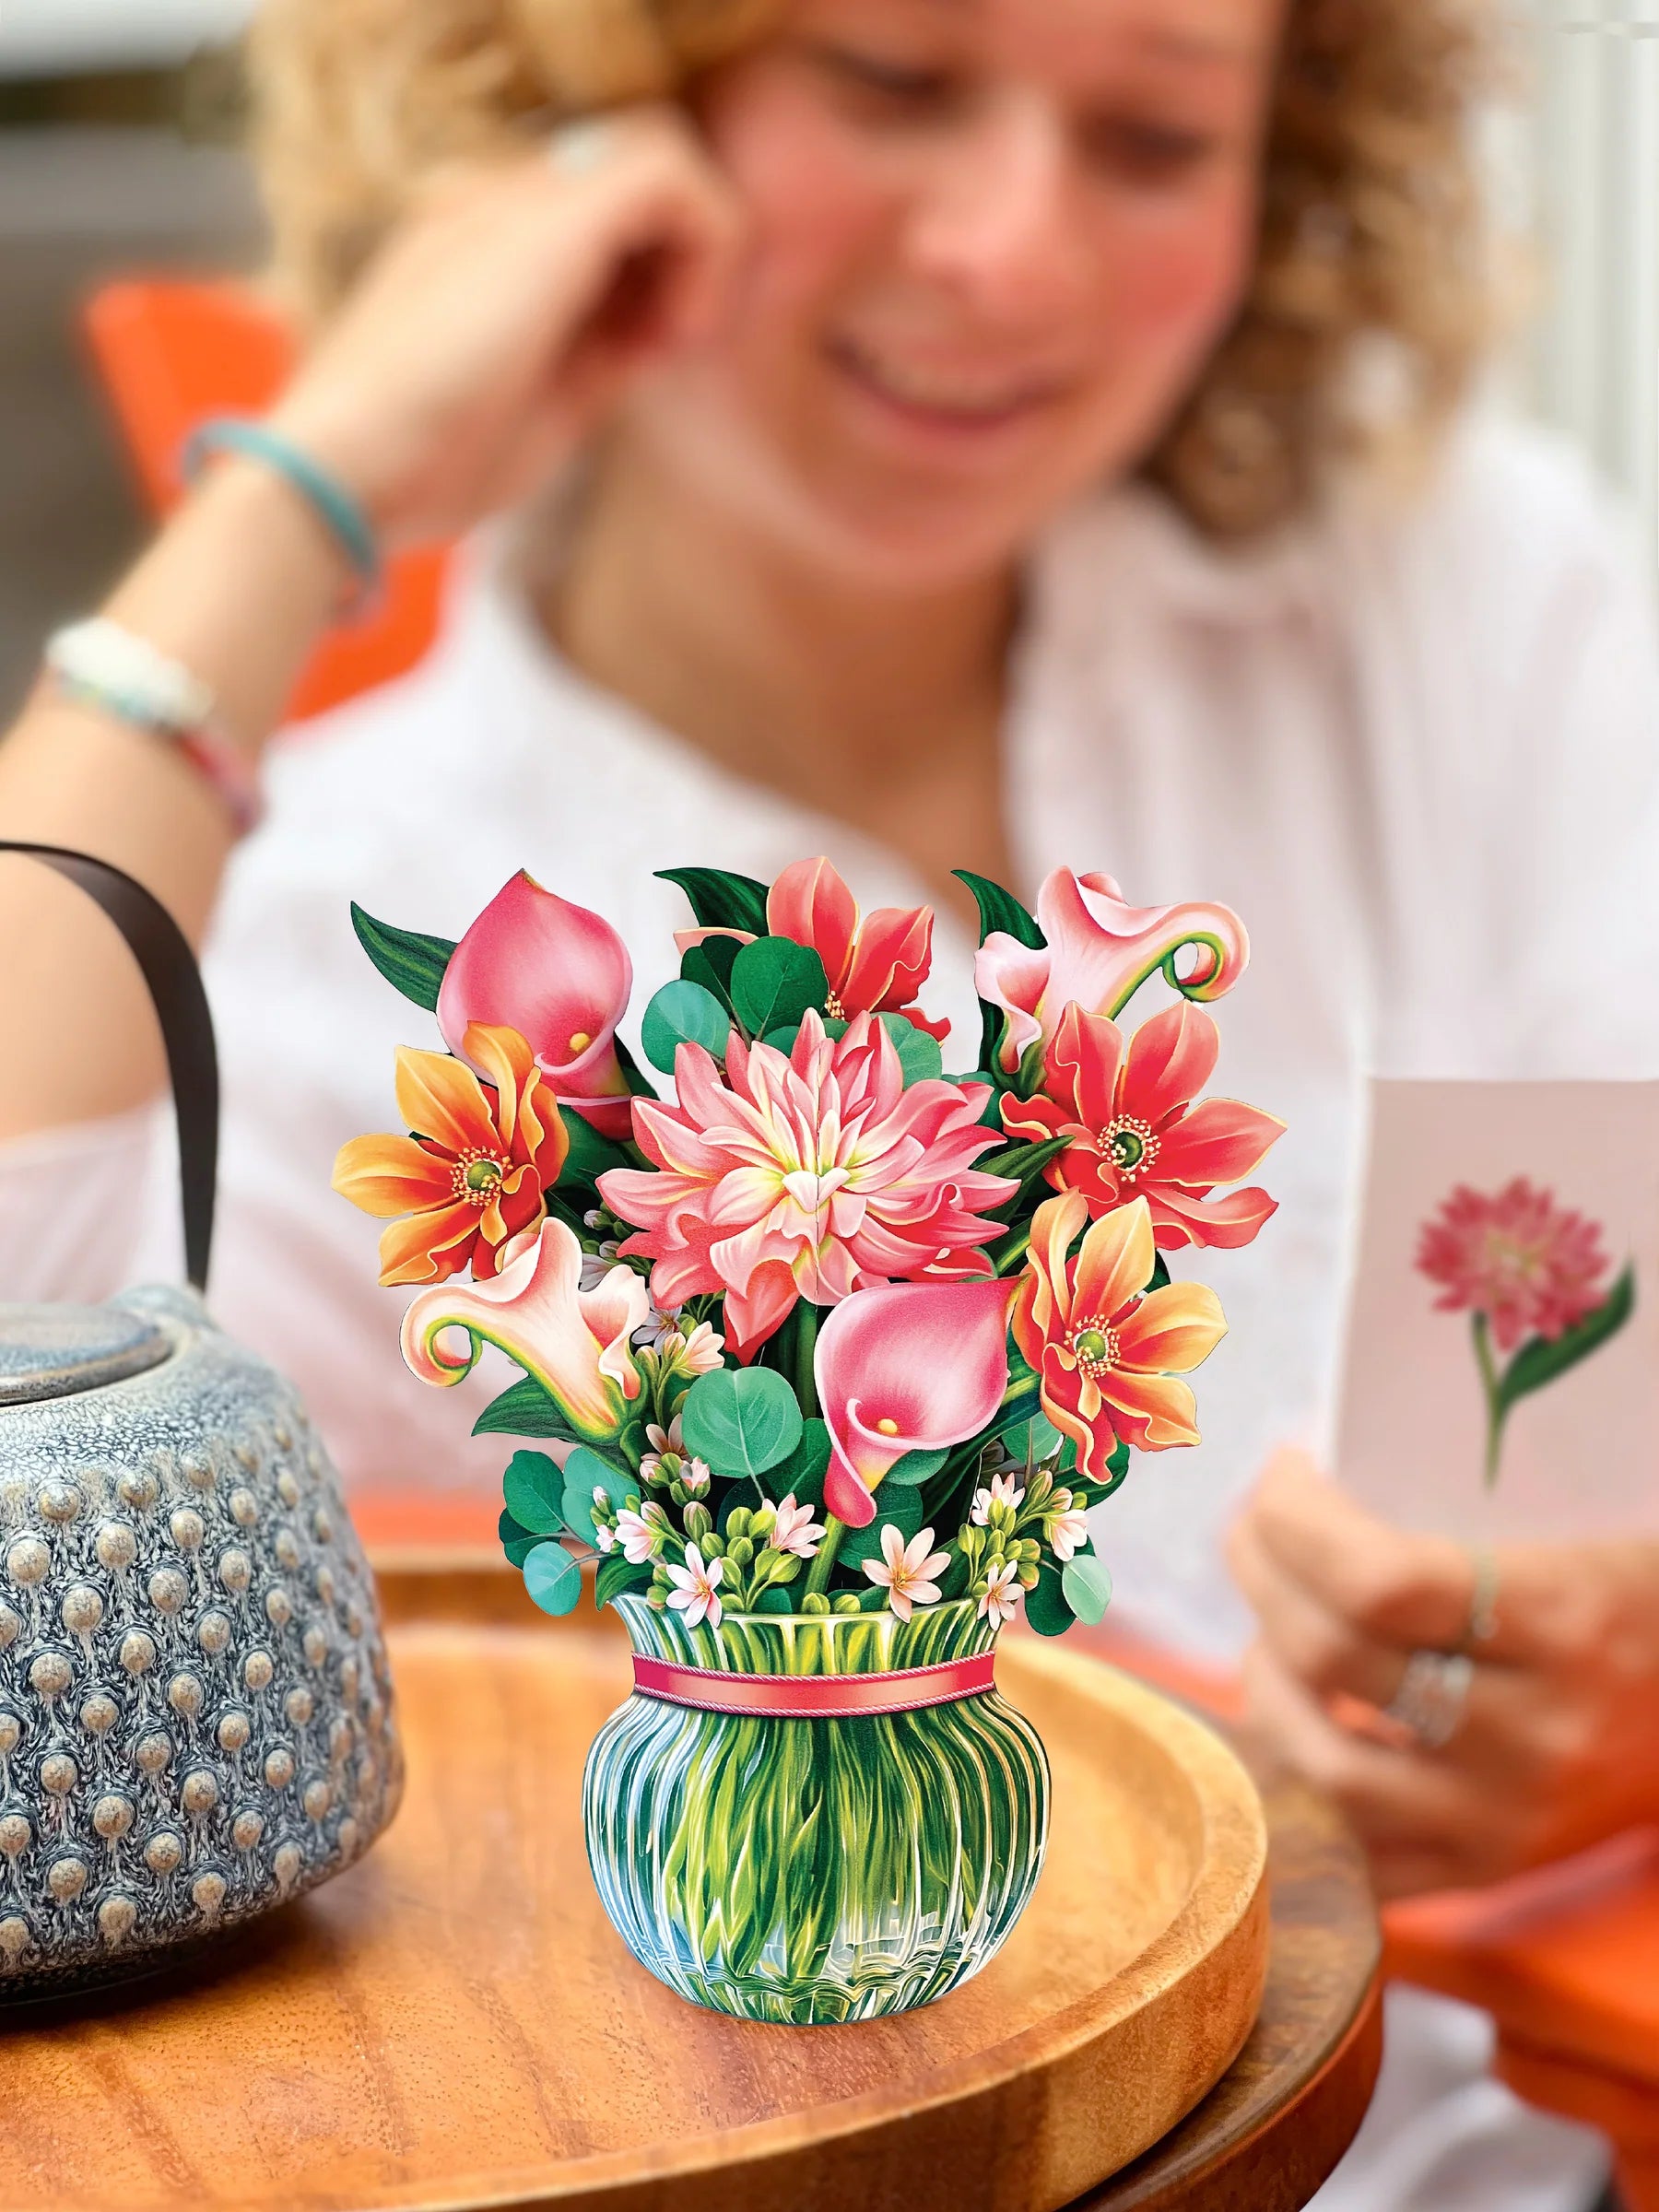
170	353
1568	1963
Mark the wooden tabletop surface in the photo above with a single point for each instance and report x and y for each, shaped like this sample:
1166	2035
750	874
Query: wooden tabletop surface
416	2073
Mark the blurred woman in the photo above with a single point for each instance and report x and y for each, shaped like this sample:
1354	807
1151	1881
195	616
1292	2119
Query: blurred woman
998	433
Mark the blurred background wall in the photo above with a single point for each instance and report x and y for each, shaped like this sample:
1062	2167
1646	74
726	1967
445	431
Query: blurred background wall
117	127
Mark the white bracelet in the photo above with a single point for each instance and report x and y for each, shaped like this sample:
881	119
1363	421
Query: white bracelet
99	665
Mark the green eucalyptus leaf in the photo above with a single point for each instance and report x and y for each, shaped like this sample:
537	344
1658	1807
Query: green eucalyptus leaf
1542	1359
524	1409
774	981
585	1471
680	1014
920	1058
411	963
741	1420
1085	1585
1045	1606
895	1508
801	1476
709	964
553	1579
720	899
916	1467
516	1541
534	1488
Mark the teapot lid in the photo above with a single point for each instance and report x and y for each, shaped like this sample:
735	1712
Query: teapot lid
58	1351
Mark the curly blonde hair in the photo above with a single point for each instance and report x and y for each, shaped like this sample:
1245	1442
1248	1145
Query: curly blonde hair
1372	247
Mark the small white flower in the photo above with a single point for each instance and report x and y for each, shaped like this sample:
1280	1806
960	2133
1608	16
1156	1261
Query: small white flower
795	1528
661	1332
665	1439
907	1569
695	1477
701	1352
694	1584
1001	1492
1068	1533
596	1265
604	1536
1003	1593
639	1537
592	1218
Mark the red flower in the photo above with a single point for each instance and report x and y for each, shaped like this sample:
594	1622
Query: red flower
1135	1132
1531	1266
876	962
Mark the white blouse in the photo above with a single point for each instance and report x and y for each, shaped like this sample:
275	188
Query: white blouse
1414	744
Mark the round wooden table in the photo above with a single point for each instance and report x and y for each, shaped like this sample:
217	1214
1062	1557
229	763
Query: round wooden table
451	2025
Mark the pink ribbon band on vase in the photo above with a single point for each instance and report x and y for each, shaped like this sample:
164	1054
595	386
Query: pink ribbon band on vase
814	1696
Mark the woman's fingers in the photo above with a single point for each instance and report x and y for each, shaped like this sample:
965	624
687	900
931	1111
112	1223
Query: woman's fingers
1319	1646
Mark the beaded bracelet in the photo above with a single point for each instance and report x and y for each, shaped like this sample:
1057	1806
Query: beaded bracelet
97	663
337	509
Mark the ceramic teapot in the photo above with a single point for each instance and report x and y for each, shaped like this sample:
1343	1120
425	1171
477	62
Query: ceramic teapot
196	1709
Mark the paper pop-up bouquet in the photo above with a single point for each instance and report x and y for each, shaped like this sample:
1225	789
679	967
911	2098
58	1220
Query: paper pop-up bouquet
828	1355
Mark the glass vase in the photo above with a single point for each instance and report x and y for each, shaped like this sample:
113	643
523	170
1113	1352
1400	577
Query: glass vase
815	1869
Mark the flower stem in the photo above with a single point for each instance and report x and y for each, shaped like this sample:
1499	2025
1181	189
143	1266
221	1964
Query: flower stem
817	1580
806	1345
1490	1383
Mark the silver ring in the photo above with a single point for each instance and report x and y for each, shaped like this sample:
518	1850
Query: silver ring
580	146
1432	1694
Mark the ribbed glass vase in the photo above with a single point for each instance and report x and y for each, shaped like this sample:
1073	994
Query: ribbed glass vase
821	1869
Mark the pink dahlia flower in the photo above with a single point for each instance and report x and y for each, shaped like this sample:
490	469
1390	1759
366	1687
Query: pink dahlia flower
1097	952
1530	1265
810	1174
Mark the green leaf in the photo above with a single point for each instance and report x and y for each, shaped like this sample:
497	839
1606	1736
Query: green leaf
636	1081
722	900
1000	909
709	964
774	1598
534	1487
920	1058
411	963
916	1467
801	1476
553	1579
1085	1585
516	1541
1542	1359
1046	1607
898	1509
1160	1272
590	1155
683	1014
524	1409
615	1575
585	1471
741	1420
774	981
1025	1163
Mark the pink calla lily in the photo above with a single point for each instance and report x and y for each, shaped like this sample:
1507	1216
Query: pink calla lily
575	1342
910	1367
561	976
1098	950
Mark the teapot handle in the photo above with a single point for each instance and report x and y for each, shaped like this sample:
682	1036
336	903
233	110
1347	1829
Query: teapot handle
169	965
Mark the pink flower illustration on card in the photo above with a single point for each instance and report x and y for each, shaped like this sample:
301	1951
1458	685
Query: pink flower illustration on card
1531	1273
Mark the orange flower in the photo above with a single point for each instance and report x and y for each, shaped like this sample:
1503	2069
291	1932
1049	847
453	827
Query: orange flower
474	1174
1106	1350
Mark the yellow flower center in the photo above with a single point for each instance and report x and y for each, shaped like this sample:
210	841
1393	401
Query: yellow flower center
833	1009
478	1177
1129	1143
1094	1345
887	1426
580	1041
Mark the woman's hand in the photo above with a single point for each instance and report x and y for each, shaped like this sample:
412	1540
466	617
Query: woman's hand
1558	1745
505	317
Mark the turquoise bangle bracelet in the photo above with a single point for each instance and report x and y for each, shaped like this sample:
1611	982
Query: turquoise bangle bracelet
335	507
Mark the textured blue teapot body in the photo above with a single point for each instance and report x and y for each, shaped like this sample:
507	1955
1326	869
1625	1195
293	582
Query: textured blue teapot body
196	1709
